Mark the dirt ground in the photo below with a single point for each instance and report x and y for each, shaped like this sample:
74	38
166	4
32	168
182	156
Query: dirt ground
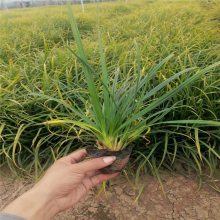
181	200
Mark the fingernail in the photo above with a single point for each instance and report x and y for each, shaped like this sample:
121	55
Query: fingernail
109	159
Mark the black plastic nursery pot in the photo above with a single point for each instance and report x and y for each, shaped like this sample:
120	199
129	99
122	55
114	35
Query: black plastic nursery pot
122	157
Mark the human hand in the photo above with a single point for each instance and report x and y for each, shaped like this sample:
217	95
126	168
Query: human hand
63	185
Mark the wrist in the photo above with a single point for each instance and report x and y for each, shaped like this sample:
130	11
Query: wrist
32	205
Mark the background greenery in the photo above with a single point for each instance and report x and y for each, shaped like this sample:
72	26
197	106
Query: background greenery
39	79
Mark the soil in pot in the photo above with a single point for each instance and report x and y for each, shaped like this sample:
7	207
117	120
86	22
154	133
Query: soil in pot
122	158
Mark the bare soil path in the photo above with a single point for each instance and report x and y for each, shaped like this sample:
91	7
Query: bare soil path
182	200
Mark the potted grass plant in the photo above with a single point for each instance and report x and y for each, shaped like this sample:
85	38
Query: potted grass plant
121	110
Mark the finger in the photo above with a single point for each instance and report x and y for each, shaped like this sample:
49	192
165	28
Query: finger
94	164
96	180
76	156
92	173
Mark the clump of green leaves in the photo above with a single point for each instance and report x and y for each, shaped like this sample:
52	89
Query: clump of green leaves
122	110
34	60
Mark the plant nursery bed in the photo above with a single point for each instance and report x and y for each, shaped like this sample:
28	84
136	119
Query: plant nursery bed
181	199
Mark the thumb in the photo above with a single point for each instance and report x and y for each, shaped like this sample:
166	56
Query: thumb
94	164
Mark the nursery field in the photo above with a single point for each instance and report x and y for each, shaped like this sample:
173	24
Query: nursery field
163	64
